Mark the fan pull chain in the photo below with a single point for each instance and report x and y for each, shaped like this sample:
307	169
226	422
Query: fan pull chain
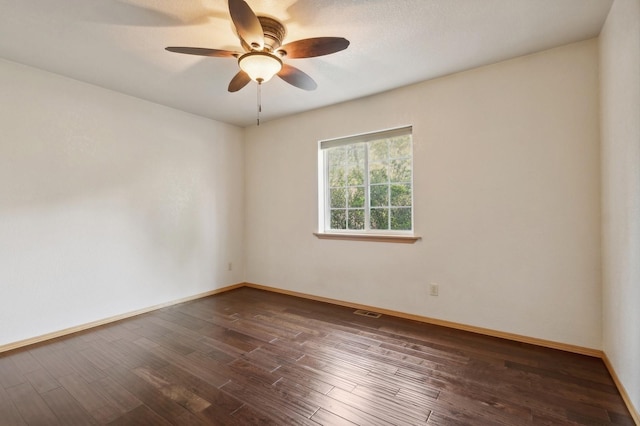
259	100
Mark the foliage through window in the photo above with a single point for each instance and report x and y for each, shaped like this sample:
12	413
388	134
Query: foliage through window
367	182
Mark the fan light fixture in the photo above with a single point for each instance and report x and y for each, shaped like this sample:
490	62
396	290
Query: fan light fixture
260	66
261	40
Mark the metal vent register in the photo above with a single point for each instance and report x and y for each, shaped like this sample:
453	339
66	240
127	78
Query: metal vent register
367	313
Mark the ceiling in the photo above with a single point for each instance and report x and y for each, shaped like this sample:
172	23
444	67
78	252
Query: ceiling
119	45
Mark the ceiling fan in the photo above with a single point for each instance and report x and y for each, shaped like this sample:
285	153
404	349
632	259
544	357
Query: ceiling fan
261	39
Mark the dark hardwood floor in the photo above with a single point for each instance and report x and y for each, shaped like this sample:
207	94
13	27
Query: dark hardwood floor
252	357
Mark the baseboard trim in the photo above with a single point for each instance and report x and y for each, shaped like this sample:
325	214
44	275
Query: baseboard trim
87	326
458	326
623	392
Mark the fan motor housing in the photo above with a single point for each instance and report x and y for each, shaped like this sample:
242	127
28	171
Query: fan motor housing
274	33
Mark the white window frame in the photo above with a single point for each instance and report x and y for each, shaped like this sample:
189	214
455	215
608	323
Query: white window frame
324	225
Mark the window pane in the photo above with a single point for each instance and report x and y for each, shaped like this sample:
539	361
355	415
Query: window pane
339	219
401	219
401	195
337	155
400	147
338	198
337	176
355	153
400	170
356	175
378	173
379	219
379	150
356	219
379	195
356	196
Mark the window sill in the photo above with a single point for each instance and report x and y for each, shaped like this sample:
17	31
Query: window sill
380	238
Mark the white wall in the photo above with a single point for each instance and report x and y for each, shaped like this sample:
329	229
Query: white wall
506	200
108	204
620	100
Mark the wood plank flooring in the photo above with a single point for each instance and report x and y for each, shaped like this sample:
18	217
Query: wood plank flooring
250	357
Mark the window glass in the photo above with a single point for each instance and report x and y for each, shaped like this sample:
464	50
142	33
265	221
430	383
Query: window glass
368	182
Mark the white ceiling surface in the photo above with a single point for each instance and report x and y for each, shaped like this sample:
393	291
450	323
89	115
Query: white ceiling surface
119	45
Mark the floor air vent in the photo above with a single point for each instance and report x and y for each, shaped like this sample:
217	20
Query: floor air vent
367	313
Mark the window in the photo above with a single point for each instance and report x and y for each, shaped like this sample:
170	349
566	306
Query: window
367	183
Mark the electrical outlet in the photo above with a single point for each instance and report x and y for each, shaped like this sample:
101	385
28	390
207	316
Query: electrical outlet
434	289
230	266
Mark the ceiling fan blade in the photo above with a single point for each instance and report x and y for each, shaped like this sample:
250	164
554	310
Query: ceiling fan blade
296	77
247	24
239	81
216	53
311	47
